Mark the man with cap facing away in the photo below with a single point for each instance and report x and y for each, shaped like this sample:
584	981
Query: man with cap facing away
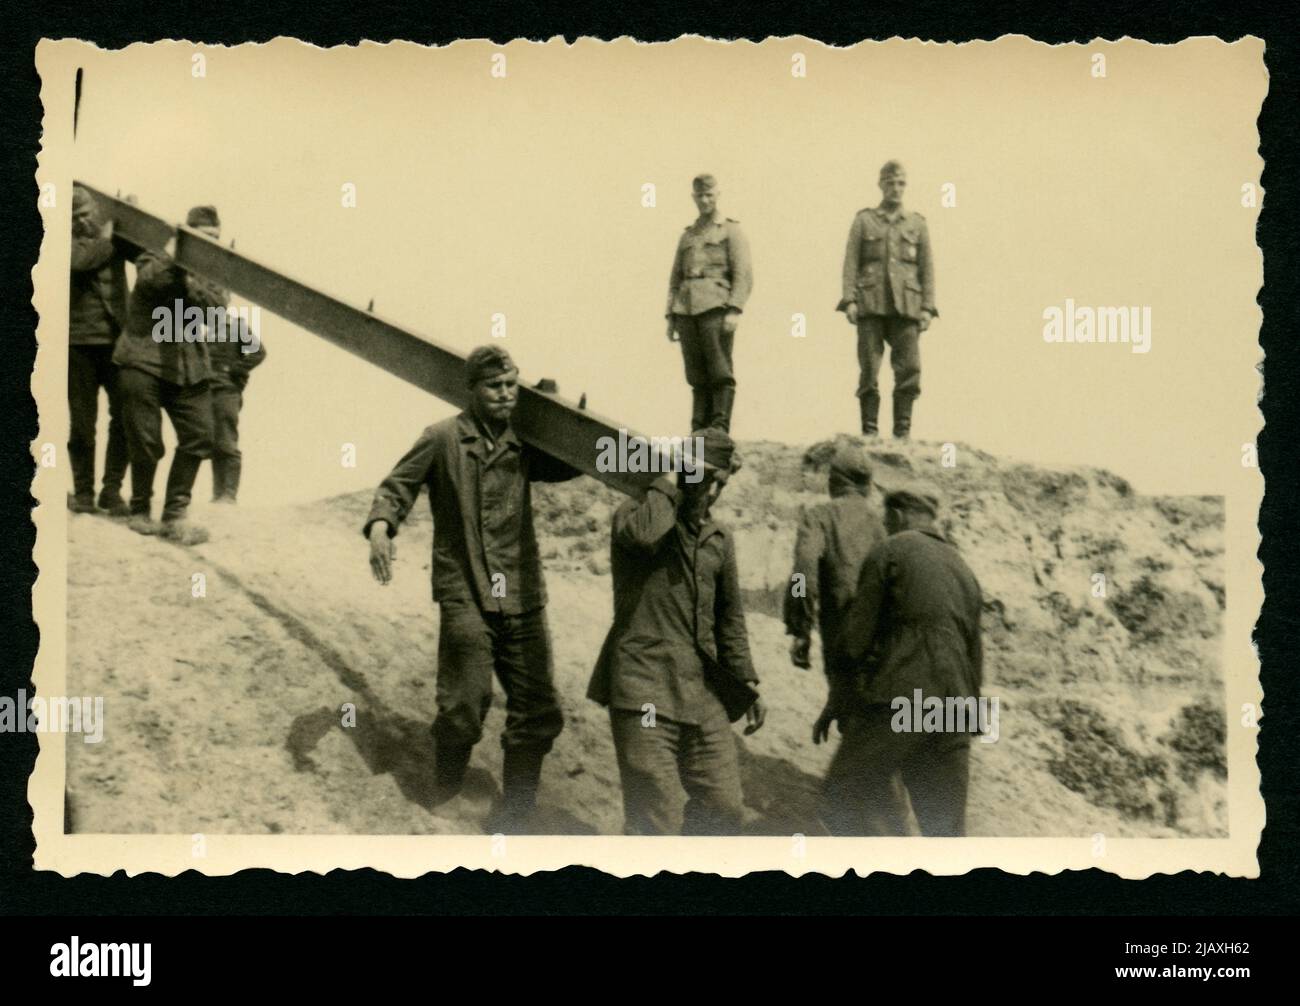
96	314
170	372
487	581
913	625
675	669
711	279
833	541
888	293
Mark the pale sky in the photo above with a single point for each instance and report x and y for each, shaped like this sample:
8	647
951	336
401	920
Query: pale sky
523	195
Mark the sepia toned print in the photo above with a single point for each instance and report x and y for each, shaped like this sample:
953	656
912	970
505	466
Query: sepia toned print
750	602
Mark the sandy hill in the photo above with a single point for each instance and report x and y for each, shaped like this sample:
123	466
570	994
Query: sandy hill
224	711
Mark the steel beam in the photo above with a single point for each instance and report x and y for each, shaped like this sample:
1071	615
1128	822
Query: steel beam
542	419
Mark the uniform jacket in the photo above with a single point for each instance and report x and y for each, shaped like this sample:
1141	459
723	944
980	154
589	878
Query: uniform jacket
679	624
230	364
97	303
888	265
482	509
160	282
711	268
916	616
833	541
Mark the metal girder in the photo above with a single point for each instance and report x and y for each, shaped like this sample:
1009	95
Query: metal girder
545	420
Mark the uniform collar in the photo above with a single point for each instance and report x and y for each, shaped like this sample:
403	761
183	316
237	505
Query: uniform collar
471	433
893	216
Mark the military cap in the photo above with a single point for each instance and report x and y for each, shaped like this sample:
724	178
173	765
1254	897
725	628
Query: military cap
487	361
703	183
891	168
913	496
202	216
851	461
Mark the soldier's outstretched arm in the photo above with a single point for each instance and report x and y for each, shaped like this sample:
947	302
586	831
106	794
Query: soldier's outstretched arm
393	501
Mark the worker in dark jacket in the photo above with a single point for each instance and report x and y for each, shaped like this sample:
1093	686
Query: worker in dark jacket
487	581
913	627
832	542
160	368
96	314
675	669
232	361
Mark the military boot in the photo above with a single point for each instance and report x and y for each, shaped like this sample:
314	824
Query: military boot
903	416
450	762
869	404
701	403
723	400
521	774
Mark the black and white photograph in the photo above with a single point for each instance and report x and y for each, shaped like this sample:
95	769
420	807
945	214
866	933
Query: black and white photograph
713	456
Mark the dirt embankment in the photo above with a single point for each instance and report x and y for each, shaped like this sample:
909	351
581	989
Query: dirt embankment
229	712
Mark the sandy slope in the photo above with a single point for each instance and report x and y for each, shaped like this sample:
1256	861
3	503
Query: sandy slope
224	712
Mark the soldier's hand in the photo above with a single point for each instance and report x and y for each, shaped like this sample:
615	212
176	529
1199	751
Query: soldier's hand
822	728
755	716
925	320
799	652
672	330
729	321
851	312
382	552
106	232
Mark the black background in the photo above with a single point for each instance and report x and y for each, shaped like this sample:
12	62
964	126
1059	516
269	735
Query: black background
982	892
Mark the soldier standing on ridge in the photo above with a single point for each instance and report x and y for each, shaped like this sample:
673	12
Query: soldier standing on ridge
167	374
231	365
96	314
711	279
913	624
487	581
888	293
675	669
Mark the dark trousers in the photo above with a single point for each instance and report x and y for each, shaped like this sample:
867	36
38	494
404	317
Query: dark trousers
473	645
860	795
706	351
903	336
656	763
227	461
89	369
189	407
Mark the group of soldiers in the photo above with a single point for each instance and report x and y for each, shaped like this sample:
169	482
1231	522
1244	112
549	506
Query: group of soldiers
887	292
897	608
199	383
